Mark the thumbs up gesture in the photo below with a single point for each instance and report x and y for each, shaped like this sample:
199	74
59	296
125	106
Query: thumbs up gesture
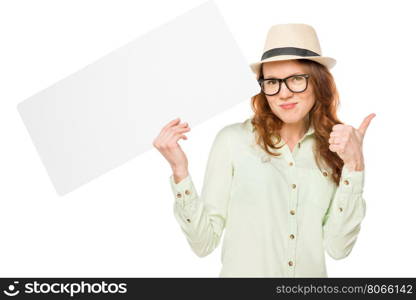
347	142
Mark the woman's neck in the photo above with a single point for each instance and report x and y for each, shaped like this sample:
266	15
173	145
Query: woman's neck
293	132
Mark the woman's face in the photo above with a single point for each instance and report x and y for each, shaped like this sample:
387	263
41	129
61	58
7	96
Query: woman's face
305	100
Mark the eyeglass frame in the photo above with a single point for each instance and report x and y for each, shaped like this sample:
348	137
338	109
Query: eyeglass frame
261	80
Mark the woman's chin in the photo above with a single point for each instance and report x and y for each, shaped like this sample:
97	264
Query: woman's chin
290	119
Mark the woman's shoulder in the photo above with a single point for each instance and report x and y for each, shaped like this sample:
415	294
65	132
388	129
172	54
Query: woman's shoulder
237	130
238	127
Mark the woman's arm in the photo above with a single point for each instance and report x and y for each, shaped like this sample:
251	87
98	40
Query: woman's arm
202	218
342	222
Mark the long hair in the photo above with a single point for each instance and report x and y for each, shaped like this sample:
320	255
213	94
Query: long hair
323	116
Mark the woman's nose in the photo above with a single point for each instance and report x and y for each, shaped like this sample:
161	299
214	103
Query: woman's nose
284	91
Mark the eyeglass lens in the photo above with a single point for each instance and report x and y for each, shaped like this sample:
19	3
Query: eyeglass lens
295	84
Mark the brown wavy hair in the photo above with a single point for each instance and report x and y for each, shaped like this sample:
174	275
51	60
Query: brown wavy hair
323	116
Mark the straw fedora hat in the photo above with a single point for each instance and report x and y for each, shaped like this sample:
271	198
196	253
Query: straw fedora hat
292	41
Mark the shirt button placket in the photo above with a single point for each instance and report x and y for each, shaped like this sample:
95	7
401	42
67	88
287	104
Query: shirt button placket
292	218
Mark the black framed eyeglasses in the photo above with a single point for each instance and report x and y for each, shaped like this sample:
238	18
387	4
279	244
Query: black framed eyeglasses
297	83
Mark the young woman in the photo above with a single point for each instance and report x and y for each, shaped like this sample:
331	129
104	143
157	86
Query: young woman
287	184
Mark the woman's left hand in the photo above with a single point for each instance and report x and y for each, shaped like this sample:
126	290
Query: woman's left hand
347	142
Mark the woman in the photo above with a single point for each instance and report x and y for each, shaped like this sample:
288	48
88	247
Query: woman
287	184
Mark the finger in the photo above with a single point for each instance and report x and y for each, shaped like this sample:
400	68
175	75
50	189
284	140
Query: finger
364	125
180	129
334	148
174	133
334	140
334	134
184	137
181	125
173	122
175	138
166	133
338	127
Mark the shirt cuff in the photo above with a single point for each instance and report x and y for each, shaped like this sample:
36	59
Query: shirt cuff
184	191
351	181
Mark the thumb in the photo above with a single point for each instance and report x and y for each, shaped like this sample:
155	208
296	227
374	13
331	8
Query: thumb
364	125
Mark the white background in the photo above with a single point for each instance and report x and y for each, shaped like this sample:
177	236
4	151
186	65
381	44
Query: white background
122	223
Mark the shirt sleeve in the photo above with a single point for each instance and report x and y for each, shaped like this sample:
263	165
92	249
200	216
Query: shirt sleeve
203	218
342	221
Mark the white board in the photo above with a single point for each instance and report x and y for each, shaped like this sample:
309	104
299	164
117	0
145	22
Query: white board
110	111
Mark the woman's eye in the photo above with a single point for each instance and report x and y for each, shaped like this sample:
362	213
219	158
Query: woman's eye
298	78
271	82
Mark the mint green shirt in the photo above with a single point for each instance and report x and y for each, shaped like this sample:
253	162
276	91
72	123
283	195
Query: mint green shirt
278	214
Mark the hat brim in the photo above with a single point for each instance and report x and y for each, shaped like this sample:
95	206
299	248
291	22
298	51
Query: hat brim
328	62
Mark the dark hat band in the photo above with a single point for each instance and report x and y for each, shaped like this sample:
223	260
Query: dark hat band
288	51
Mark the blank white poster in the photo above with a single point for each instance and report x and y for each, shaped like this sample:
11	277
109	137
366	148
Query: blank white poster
110	111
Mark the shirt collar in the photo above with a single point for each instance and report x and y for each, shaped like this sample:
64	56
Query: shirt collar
247	124
310	131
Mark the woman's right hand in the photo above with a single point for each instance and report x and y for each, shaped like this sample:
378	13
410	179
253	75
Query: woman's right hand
167	144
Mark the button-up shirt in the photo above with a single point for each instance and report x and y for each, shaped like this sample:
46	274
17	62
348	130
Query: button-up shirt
278	214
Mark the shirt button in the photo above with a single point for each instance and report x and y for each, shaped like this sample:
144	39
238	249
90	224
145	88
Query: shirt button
292	212
292	236
346	182
340	209
188	220
293	185
179	195
265	159
291	164
187	192
290	263
325	173
299	145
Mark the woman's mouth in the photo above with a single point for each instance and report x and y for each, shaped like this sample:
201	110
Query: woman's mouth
288	106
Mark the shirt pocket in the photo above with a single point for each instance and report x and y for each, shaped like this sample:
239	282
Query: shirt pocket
317	187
